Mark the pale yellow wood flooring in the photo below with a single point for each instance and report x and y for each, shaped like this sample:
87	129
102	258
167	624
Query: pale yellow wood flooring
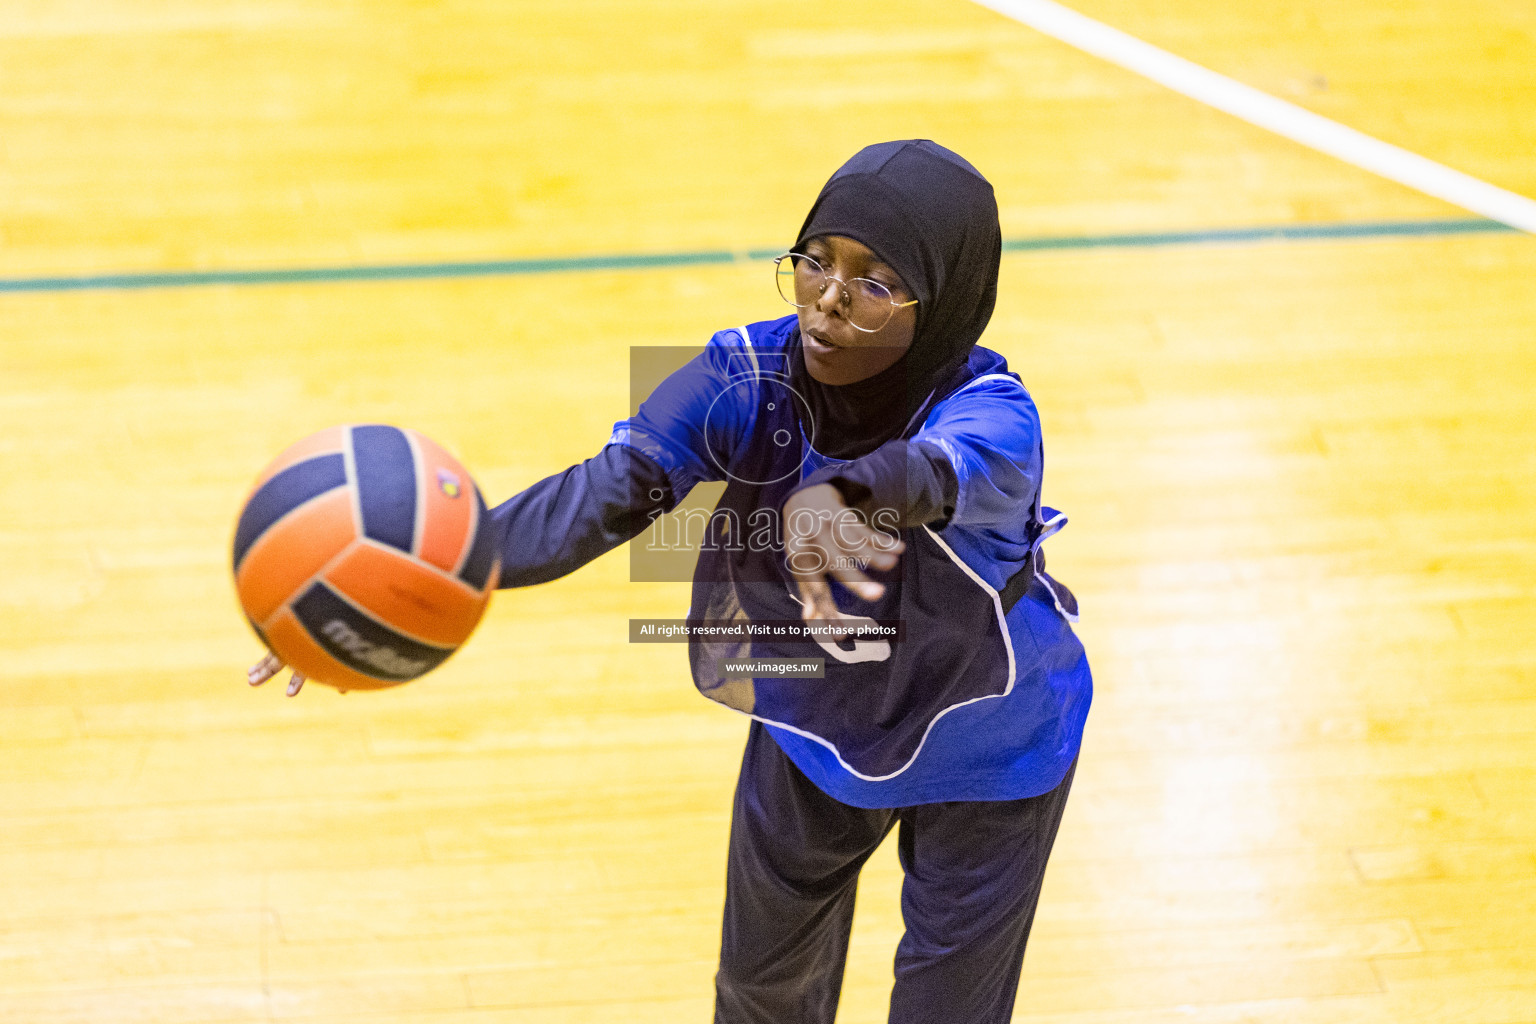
1301	476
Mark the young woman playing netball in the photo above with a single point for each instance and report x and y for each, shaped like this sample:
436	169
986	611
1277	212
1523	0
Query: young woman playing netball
880	468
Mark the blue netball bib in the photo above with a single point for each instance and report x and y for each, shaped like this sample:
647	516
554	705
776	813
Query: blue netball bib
963	598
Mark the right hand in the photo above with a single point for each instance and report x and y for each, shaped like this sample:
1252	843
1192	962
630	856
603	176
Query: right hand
268	667
836	542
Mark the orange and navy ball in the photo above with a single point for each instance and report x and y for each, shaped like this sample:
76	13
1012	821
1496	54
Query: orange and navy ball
364	556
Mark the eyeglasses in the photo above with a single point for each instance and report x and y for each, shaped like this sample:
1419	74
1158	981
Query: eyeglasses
867	305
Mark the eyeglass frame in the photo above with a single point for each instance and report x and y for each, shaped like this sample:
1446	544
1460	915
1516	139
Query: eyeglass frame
845	297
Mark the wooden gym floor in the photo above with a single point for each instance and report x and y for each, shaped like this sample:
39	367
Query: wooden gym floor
1301	475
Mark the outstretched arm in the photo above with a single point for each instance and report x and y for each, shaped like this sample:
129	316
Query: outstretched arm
680	436
566	520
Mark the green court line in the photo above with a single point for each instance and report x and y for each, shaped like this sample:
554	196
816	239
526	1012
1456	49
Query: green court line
655	260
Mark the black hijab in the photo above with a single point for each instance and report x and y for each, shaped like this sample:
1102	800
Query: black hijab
933	218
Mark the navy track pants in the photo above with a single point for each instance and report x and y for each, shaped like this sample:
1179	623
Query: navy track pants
973	876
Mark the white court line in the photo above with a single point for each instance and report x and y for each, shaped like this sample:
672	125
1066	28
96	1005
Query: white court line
1276	115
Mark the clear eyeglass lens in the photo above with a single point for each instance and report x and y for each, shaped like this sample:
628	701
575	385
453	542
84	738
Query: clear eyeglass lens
867	304
786	277
870	304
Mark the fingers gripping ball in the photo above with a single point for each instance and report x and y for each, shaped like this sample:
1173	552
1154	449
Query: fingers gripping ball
364	556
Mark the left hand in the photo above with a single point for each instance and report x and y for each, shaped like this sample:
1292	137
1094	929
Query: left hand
268	667
826	540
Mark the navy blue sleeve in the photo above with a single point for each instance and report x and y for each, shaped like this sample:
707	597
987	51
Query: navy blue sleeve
684	433
911	482
565	521
692	423
990	432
